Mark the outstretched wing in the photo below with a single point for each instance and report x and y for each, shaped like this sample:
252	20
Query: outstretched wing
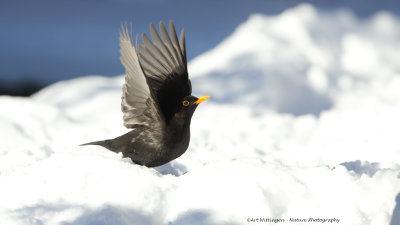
138	105
164	64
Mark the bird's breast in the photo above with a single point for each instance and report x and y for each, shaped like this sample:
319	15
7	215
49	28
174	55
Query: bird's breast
176	141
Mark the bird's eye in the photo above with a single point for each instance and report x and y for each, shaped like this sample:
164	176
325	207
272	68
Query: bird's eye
185	103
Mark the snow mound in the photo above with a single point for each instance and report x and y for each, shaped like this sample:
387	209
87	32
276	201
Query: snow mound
298	61
302	123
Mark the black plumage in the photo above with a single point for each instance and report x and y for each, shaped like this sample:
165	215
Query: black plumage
156	98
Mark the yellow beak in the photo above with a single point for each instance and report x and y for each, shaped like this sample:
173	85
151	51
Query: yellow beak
201	99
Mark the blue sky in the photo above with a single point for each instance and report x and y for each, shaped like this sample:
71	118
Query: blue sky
48	41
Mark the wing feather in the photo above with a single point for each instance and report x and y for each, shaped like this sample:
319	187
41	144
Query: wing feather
162	46
164	64
182	45
168	43
175	44
138	106
156	54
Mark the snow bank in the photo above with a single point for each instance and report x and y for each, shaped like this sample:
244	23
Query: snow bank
302	123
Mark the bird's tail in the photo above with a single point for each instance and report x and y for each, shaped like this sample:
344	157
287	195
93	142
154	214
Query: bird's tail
108	144
101	143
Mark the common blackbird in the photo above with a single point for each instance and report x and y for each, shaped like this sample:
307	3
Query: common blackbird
156	98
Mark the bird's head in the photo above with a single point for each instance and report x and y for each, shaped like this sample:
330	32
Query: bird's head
190	103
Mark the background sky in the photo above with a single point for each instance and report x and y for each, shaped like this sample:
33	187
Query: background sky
42	42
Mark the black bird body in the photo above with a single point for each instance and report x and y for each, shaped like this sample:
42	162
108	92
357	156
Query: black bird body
156	99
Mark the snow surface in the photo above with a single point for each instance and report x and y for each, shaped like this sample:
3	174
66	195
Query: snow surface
302	122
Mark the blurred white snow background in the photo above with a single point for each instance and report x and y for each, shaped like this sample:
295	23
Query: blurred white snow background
302	122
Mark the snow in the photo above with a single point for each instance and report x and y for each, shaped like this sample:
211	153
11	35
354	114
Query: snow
302	123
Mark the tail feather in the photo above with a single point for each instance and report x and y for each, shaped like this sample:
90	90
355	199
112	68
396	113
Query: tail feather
108	144
118	144
101	143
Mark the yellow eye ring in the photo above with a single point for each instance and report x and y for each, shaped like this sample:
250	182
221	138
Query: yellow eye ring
185	103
